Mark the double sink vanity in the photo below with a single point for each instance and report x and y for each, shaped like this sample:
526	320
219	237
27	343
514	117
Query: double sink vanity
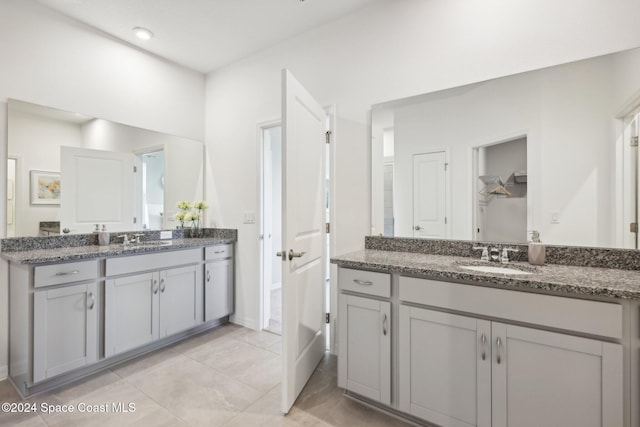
431	333
76	307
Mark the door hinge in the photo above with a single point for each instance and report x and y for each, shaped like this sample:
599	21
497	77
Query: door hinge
327	318
135	169
135	220
328	136
633	227
328	228
445	166
445	219
634	141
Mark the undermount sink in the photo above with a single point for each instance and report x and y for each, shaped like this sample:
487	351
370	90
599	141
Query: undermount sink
492	269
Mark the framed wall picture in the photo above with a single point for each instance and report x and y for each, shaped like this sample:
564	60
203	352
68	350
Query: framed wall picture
45	188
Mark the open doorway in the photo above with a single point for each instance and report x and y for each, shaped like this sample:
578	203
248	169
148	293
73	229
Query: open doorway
501	196
272	226
269	138
152	187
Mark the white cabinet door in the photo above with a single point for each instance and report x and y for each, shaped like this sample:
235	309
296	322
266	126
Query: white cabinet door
543	378
65	334
131	312
445	367
218	289
180	299
365	347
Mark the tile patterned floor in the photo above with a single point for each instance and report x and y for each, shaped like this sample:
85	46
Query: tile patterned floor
226	377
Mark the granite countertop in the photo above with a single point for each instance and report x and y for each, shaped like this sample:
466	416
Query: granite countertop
572	280
75	253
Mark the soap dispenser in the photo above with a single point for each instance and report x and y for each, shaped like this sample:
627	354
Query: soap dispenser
536	249
103	236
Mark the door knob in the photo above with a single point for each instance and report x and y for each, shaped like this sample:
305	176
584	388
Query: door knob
293	255
417	227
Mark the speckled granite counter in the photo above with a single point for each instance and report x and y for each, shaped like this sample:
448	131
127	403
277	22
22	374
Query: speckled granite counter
576	281
44	256
42	250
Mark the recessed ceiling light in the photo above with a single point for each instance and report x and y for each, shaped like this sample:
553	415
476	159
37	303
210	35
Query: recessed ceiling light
142	33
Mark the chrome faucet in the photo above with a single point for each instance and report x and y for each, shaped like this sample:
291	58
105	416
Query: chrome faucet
504	258
125	240
485	252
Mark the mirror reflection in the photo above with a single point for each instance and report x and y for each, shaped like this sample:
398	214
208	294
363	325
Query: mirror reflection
68	172
549	150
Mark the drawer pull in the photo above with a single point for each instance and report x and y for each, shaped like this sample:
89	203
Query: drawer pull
498	347
208	275
93	300
384	325
162	286
68	273
363	282
155	289
218	252
483	340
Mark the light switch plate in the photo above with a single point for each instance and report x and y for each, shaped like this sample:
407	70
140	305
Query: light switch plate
166	234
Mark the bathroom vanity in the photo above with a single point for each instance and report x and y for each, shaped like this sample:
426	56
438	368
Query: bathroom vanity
425	337
76	310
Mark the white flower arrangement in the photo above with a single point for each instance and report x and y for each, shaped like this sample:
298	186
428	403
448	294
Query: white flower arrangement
191	212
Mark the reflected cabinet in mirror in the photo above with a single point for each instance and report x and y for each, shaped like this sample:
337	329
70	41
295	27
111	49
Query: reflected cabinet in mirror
68	172
553	150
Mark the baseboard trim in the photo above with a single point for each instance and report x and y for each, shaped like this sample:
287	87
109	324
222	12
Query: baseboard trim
247	322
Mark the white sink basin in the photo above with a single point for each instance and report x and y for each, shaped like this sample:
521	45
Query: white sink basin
492	269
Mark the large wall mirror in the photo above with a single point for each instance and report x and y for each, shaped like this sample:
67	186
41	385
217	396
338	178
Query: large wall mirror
553	150
68	172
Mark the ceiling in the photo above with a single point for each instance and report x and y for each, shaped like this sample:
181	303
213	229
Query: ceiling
206	34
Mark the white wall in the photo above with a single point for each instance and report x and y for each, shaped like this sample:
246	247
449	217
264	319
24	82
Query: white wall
394	50
53	61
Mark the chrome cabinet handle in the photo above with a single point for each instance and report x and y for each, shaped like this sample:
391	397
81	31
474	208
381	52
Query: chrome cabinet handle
499	346
483	340
293	254
218	252
155	289
363	282
208	275
68	273
384	325
93	300
417	228
162	286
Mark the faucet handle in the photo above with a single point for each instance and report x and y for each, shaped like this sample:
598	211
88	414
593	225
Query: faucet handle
485	252
504	258
125	239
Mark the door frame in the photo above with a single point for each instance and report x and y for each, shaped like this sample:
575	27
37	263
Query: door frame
331	112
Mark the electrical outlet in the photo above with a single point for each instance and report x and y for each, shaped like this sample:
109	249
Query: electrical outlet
249	218
555	218
166	234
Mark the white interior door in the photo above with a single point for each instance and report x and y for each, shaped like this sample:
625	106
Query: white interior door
97	188
429	195
303	237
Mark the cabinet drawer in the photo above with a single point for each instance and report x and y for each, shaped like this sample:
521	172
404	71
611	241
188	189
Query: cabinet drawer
572	314
65	273
138	263
218	252
365	282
